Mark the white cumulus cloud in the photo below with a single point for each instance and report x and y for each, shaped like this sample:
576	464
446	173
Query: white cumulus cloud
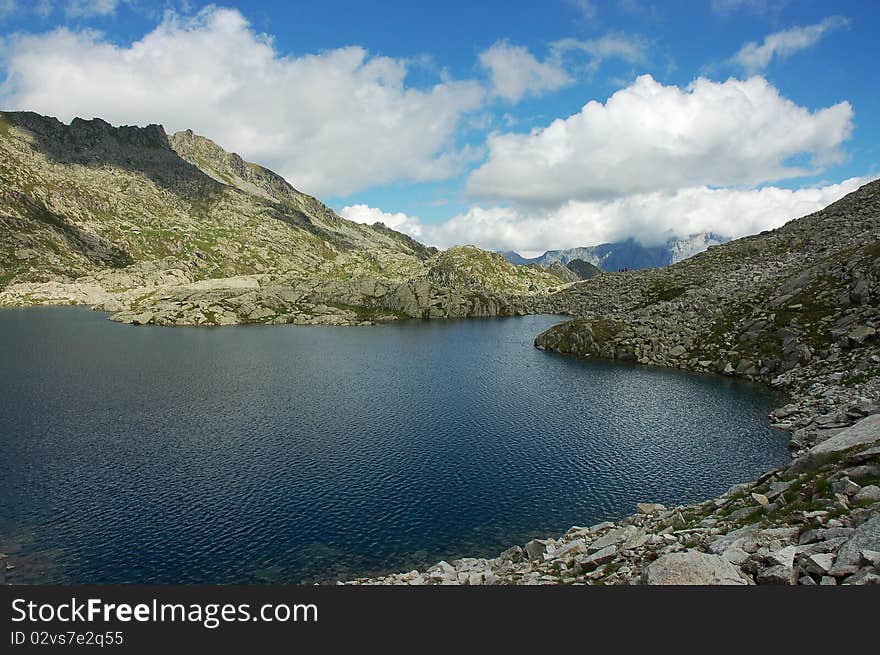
332	122
757	56
515	72
650	137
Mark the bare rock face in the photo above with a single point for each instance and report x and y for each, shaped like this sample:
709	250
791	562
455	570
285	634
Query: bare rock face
692	568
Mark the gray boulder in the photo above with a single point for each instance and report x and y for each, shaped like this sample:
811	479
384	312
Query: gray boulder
692	568
650	508
849	557
590	562
869	494
535	549
866	431
777	575
861	334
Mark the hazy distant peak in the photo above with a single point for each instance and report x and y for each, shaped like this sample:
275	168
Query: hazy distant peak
627	254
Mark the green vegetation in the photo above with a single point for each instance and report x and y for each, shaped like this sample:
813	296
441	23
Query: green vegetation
6	276
575	336
807	308
733	504
873	250
661	291
724	327
584	270
611	568
604	330
368	313
468	266
861	377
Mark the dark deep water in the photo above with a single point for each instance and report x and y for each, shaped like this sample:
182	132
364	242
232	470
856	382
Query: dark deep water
289	454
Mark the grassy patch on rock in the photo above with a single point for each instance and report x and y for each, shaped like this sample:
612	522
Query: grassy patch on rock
661	291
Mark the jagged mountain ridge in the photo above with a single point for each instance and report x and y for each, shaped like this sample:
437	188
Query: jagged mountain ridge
124	218
629	254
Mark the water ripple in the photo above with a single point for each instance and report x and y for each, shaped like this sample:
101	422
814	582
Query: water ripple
289	454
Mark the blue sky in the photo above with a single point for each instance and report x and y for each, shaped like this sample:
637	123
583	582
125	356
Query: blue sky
465	122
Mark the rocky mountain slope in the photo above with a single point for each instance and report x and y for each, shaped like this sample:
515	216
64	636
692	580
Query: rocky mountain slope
628	254
797	308
174	230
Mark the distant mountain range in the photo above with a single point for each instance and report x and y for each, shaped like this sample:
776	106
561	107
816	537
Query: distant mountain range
627	254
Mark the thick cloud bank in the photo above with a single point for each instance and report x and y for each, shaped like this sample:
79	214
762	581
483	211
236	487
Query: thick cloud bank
651	218
649	137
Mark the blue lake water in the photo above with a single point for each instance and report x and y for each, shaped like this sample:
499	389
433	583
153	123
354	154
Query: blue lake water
261	454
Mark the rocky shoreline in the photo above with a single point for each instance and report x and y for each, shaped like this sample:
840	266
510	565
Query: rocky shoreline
164	293
270	300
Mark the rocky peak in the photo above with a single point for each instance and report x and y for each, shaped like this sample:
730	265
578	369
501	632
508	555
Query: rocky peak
88	136
95	132
471	267
231	169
